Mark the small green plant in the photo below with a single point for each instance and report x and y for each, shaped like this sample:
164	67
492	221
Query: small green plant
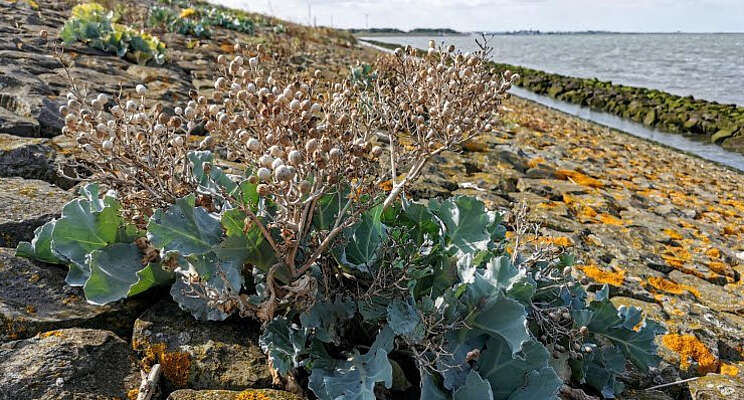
164	18
93	25
315	237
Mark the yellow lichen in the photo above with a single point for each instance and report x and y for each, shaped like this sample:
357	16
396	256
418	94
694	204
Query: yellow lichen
534	162
671	287
132	394
713	253
690	348
251	395
560	241
673	234
729	369
176	366
615	278
578	178
45	335
608	219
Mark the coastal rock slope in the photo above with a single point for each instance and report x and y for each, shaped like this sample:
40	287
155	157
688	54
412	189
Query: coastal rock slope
665	230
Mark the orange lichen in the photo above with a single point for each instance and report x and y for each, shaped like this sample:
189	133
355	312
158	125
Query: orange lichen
587	212
730	230
132	394
176	366
672	234
560	241
690	348
578	178
615	278
251	395
50	334
534	162
729	369
608	219
713	253
671	287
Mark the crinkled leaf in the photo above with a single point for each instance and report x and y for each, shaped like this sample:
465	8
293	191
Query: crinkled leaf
283	343
249	247
430	389
325	318
475	387
113	272
453	364
40	247
638	346
85	226
504	317
541	384
365	239
355	379
600	369
328	209
213	273
374	308
184	228
151	276
402	316
507	372
466	222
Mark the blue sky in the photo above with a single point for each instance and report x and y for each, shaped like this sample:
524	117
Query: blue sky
616	15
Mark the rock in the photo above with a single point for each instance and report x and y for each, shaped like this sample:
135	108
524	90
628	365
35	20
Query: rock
553	189
35	298
716	387
201	355
253	394
29	158
25	109
26	205
68	364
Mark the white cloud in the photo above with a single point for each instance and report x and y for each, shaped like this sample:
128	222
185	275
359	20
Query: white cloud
618	15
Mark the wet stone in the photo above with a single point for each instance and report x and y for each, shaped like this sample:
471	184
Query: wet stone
26	205
68	364
201	355
35	298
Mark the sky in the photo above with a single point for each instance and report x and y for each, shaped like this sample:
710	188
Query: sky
507	15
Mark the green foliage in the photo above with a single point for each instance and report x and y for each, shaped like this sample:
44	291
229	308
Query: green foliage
427	282
95	26
166	19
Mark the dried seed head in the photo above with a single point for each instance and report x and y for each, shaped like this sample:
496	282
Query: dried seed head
266	160
264	174
277	163
141	90
253	61
304	187
221	59
294	157
283	173
263	190
107	144
311	145
254	145
178	141
376	151
335	153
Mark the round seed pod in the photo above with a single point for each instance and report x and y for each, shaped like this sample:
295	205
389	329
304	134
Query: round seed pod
266	160
311	145
107	144
335	153
254	145
278	162
294	157
264	174
263	190
141	90
178	141
283	173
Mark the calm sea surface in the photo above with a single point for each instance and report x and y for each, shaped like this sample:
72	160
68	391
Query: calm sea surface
707	66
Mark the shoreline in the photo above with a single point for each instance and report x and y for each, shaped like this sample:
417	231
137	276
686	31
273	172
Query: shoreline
722	124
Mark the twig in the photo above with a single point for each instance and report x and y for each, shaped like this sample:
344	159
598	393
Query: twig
673	383
149	383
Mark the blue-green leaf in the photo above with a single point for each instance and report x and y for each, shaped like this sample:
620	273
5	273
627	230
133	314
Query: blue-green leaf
475	387
325	318
215	274
543	383
113	271
283	343
365	240
40	247
466	222
85	226
503	317
184	228
355	379
402	316
430	389
507	372
149	277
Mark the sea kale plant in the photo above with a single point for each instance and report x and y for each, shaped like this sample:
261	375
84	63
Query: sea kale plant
95	26
292	210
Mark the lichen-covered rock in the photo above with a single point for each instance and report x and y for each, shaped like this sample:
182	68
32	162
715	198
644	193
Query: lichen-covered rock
201	355
251	394
34	298
26	204
68	364
716	387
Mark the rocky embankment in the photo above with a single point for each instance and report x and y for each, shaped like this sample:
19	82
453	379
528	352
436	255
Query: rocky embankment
665	230
719	123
